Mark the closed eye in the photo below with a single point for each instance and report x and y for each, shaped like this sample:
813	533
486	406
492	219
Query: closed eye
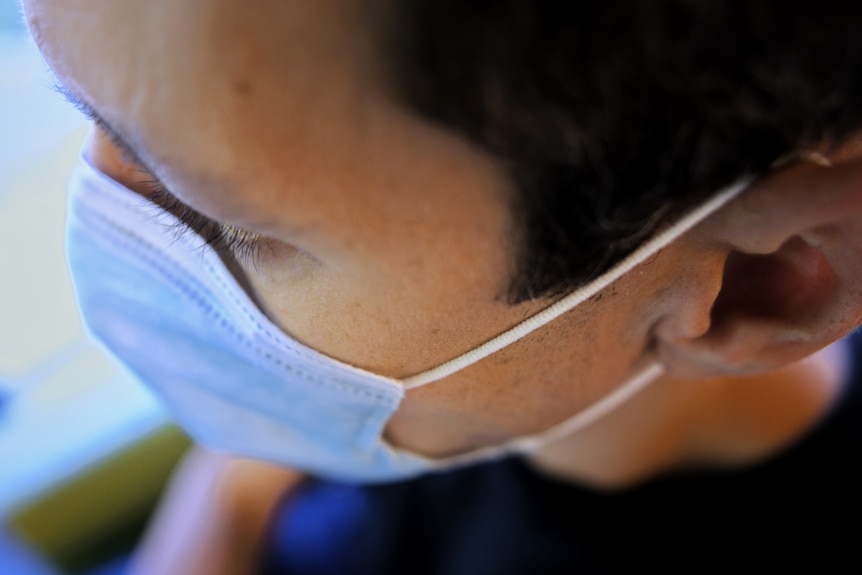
241	244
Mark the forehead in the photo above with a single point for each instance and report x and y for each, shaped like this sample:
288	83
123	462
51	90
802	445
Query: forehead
219	38
192	62
282	104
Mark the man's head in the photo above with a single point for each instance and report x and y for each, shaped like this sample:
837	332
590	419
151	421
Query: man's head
612	117
419	171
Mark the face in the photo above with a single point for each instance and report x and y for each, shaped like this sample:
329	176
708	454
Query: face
386	242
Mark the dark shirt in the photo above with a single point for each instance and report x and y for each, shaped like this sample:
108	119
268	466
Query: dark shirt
800	509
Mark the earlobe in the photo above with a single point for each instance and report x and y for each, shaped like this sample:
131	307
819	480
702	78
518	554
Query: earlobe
791	281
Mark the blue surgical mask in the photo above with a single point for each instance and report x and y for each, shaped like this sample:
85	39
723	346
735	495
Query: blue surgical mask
168	308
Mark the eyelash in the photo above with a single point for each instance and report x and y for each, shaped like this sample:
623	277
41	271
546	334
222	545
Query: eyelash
243	245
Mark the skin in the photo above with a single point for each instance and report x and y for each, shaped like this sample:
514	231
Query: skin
390	241
389	245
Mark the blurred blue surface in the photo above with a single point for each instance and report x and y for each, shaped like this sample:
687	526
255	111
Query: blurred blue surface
10	17
33	118
64	407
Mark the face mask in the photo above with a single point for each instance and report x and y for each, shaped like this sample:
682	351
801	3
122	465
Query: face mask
171	312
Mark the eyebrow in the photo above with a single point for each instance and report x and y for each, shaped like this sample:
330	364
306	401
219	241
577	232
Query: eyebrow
115	135
131	153
134	154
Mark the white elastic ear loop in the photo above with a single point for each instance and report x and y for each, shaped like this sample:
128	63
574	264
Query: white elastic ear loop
593	413
580	420
582	294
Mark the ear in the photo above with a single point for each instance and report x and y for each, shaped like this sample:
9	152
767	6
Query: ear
790	269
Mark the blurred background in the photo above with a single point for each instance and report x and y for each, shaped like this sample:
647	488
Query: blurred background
84	451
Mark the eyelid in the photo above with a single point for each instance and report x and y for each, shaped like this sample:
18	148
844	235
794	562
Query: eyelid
242	244
90	113
129	155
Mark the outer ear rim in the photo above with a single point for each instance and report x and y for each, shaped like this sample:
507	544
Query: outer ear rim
803	226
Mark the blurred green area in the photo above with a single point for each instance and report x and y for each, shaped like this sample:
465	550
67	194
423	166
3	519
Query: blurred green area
98	511
102	513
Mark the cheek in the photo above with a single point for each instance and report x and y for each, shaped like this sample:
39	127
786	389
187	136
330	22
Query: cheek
524	389
577	363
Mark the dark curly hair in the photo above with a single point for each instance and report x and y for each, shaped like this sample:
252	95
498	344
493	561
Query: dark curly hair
613	116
